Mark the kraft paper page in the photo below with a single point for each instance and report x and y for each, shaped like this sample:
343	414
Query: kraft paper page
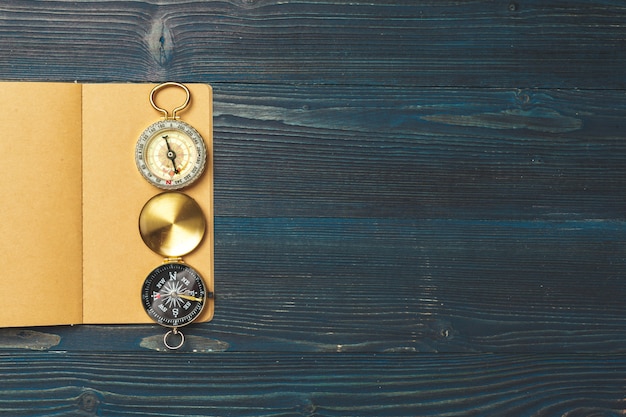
40	231
72	196
115	258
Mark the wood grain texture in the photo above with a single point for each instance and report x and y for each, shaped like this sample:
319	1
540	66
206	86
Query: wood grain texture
380	286
522	44
373	285
313	385
347	151
420	208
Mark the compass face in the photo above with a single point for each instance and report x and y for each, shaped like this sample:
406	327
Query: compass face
173	294
170	154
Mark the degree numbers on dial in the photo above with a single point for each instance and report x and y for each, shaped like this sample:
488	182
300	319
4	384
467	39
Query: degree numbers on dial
170	154
173	294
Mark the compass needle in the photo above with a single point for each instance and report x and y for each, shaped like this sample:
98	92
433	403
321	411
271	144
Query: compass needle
171	155
190	298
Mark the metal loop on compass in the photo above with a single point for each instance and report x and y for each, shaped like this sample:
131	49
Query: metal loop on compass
177	109
167	336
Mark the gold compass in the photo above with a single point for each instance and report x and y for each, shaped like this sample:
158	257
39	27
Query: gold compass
170	154
172	224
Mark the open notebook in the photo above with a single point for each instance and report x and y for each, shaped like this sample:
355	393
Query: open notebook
71	198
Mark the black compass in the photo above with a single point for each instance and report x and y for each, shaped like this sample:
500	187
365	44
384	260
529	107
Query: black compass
173	294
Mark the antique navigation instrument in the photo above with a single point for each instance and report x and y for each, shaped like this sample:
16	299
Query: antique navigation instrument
170	154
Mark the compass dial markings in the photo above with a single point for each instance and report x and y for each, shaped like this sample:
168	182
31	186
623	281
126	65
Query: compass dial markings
170	154
173	294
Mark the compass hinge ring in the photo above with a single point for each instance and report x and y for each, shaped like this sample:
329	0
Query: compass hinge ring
176	259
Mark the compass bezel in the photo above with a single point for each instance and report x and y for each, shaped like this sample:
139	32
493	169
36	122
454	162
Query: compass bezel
161	279
151	173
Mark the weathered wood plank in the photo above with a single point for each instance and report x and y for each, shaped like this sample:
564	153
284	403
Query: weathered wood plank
392	178
376	285
523	43
405	285
347	151
311	385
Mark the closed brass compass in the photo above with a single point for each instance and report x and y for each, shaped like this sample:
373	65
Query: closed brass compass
172	225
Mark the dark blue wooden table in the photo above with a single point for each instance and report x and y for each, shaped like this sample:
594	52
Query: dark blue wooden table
419	209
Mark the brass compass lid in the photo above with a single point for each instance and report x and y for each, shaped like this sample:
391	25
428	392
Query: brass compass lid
172	224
